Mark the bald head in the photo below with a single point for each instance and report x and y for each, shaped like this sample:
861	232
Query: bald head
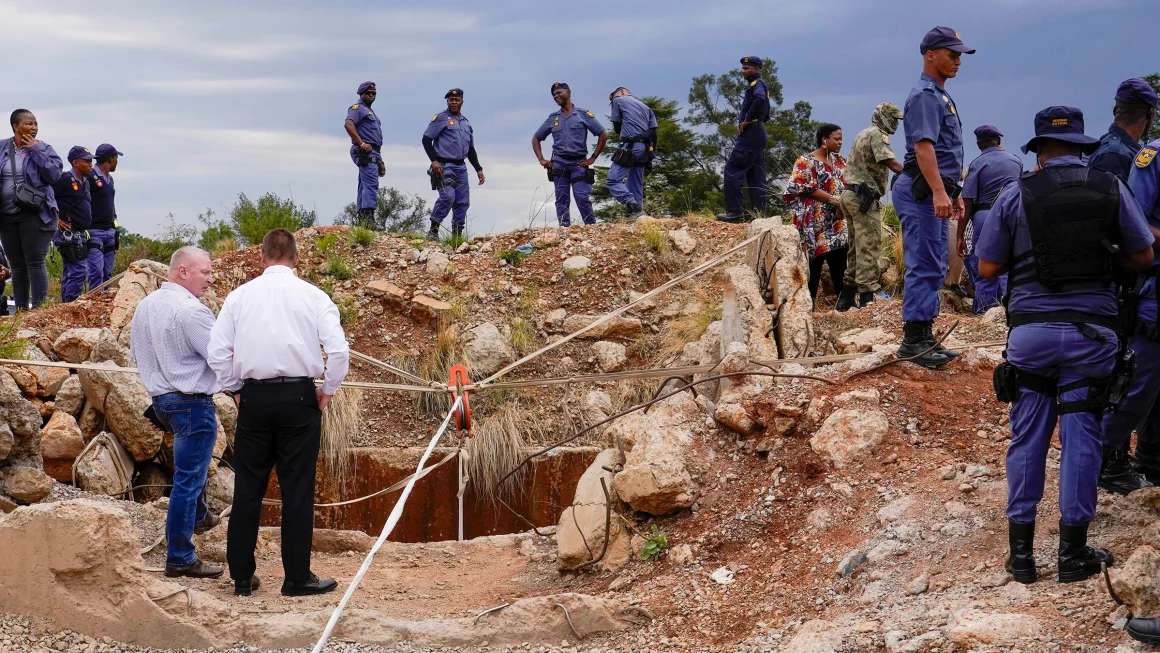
191	268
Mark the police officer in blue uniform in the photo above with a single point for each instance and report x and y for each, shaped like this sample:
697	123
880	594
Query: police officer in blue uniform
636	125
745	168
447	141
103	240
993	169
1135	112
570	168
76	216
1060	233
927	191
366	143
1120	474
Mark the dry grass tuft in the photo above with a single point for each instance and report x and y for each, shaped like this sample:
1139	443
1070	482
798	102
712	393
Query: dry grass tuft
688	327
340	424
498	445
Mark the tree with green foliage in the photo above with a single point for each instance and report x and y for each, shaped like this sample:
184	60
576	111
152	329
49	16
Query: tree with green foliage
215	232
395	211
252	220
1154	133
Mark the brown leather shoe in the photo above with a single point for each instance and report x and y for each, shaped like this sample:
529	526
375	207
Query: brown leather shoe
202	527
245	588
197	570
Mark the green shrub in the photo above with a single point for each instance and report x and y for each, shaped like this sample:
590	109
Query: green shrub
325	244
338	267
512	256
653	546
252	220
362	236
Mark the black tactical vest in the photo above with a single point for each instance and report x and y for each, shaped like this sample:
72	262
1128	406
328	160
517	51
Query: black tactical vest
1072	213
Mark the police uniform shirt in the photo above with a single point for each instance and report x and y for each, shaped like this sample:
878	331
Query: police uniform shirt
755	104
102	192
1144	182
989	173
634	116
366	123
1005	236
451	135
1116	152
74	200
931	115
570	133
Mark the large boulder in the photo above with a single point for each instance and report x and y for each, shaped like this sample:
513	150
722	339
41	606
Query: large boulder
227	414
848	435
219	490
486	349
26	484
76	345
91	421
618	328
657	475
142	277
38	381
109	349
781	251
122	399
580	536
856	341
60	443
106	468
71	396
1137	581
438	264
610	356
22	417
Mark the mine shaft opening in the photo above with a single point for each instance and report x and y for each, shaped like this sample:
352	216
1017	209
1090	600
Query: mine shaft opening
431	514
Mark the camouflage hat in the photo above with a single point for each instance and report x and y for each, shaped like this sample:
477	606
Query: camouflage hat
890	109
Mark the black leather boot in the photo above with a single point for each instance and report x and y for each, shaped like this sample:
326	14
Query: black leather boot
1077	560
1144	630
928	335
632	211
1021	562
366	217
1148	460
1118	476
457	233
865	299
914	342
846	298
730	217
433	232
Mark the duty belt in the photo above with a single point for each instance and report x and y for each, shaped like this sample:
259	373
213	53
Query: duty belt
455	161
280	379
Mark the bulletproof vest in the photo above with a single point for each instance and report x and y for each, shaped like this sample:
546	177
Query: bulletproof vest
1072	212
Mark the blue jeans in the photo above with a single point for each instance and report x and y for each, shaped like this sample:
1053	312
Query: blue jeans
924	250
1058	351
193	422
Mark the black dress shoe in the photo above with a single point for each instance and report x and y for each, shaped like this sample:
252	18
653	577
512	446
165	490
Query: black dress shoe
204	526
197	570
246	587
312	585
1144	630
1118	476
732	218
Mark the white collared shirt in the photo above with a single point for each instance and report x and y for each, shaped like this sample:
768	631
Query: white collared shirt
169	338
272	326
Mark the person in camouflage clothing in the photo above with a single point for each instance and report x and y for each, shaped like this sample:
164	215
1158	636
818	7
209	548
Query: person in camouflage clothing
867	171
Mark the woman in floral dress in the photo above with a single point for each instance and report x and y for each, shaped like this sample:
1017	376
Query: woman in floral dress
815	184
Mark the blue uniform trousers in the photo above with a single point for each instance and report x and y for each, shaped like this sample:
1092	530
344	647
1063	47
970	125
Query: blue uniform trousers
455	194
1138	411
924	250
368	179
745	169
72	277
100	262
988	292
571	178
627	184
1061	352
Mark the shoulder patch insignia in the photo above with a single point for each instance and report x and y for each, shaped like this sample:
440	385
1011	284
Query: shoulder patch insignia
450	121
886	139
1145	157
590	114
434	117
753	83
354	106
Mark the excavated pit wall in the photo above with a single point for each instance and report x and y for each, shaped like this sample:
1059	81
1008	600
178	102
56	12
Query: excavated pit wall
431	514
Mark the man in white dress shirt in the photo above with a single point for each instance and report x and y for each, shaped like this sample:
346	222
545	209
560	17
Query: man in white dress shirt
170	337
266	345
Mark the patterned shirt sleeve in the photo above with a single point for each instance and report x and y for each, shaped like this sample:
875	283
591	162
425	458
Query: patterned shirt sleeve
880	146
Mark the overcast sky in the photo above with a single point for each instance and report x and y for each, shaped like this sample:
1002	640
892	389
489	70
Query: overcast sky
208	99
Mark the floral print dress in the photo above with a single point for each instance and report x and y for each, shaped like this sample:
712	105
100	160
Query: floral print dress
822	229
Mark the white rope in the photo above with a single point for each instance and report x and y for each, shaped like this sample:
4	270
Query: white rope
392	520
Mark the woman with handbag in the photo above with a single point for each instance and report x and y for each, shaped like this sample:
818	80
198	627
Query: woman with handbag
28	210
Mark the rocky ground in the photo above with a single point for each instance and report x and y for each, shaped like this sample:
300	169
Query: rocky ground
862	512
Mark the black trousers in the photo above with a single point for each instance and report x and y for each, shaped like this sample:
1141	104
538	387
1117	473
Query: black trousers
836	259
26	239
279	426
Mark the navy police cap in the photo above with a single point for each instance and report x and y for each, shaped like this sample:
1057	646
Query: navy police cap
79	152
1136	91
455	92
751	61
944	37
559	85
104	151
1061	124
987	131
365	86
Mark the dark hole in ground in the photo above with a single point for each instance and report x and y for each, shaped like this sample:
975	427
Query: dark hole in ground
431	514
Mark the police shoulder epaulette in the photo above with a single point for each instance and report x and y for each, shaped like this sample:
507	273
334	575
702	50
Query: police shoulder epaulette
1145	157
354	106
753	83
590	114
434	117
